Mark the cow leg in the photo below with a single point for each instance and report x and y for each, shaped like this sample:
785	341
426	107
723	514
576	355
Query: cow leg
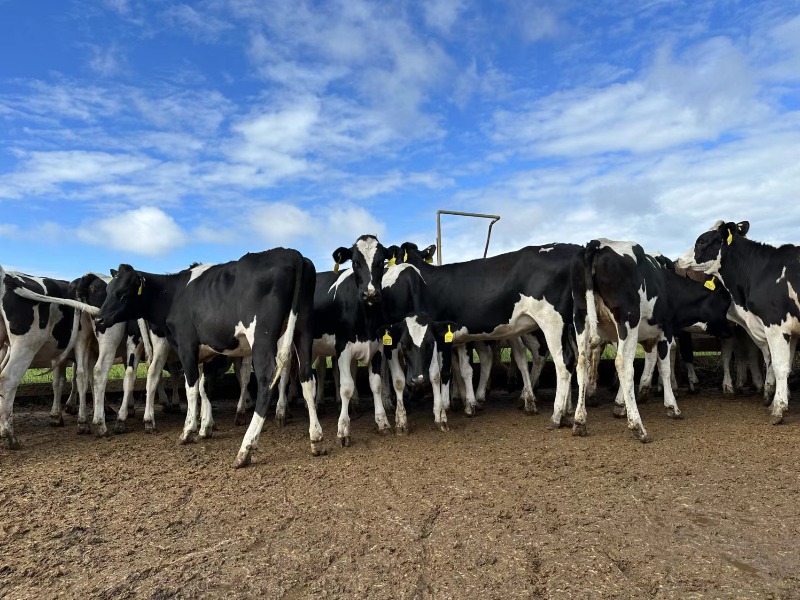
59	379
355	399
664	356
70	406
206	418
626	353
780	353
538	358
194	373
511	381
458	387
376	386
321	368
727	358
399	384
336	382
645	383
582	370
18	359
82	361
520	357
243	367
283	396
754	365
434	372
619	410
470	405
303	344
346	385
486	358
557	337
595	355
154	375
108	342
132	357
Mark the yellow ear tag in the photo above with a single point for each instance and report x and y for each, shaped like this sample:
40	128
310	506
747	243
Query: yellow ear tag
730	238
710	284
392	261
405	257
387	339
448	337
429	260
336	268
139	293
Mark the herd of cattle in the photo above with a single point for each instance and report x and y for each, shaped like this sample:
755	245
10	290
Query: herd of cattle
403	317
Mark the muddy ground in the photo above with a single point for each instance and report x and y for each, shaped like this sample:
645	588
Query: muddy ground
498	507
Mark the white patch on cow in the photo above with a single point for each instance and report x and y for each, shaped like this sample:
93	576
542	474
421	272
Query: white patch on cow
647	306
528	315
783	276
368	248
698	327
20	276
621	248
416	330
392	274
545	248
324	346
793	296
243	334
198	270
339	280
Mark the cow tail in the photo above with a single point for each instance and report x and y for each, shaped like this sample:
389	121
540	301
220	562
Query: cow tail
591	306
144	331
286	341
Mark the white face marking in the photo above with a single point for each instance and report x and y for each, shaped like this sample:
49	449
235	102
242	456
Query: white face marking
392	273
199	270
416	330
342	276
621	248
368	248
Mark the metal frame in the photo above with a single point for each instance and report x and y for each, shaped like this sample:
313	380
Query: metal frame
439	213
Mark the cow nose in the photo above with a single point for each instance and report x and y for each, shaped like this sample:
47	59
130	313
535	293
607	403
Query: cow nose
417	381
369	295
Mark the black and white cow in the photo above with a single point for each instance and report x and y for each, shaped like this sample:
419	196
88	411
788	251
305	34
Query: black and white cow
427	348
347	313
494	298
260	304
763	281
38	334
622	294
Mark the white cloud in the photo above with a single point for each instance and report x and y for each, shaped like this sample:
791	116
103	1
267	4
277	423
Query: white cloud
146	230
442	14
105	61
202	25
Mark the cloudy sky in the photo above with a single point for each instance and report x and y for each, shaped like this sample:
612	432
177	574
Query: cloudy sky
159	132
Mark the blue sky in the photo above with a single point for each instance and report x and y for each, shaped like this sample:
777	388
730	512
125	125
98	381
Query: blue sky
159	133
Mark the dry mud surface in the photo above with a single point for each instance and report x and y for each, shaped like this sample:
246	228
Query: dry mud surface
496	508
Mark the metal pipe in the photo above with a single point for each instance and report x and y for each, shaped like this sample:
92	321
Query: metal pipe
439	213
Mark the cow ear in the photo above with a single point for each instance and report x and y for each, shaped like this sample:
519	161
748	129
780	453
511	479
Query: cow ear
744	227
445	331
428	253
114	272
341	255
393	254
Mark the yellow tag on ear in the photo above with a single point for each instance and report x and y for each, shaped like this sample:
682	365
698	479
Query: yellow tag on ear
710	284
139	293
448	337
730	238
429	260
405	257
392	261
387	339
336	268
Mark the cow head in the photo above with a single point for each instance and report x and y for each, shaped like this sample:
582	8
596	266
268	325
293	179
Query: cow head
123	297
706	255
418	336
367	256
412	253
89	288
718	303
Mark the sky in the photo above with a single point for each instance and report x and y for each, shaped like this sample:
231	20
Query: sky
158	133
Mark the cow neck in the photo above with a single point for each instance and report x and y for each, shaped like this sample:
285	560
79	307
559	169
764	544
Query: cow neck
158	294
685	297
740	260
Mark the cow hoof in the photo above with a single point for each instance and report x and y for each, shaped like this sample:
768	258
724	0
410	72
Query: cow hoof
553	425
531	410
83	428
186	438
101	431
401	430
317	449
71	409
344	441
566	421
12	443
56	421
242	460
120	427
579	429
384	430
765	401
694	391
728	390
149	427
644	438
280	421
206	433
674	413
644	395
469	410
776	419
620	412
240	419
443	427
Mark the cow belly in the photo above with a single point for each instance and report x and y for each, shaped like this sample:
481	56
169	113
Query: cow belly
529	314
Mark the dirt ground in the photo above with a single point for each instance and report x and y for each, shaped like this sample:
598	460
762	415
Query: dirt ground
498	507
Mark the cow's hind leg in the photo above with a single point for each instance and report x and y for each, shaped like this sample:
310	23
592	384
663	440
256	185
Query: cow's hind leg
664	355
376	386
626	353
346	386
780	353
243	368
18	360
